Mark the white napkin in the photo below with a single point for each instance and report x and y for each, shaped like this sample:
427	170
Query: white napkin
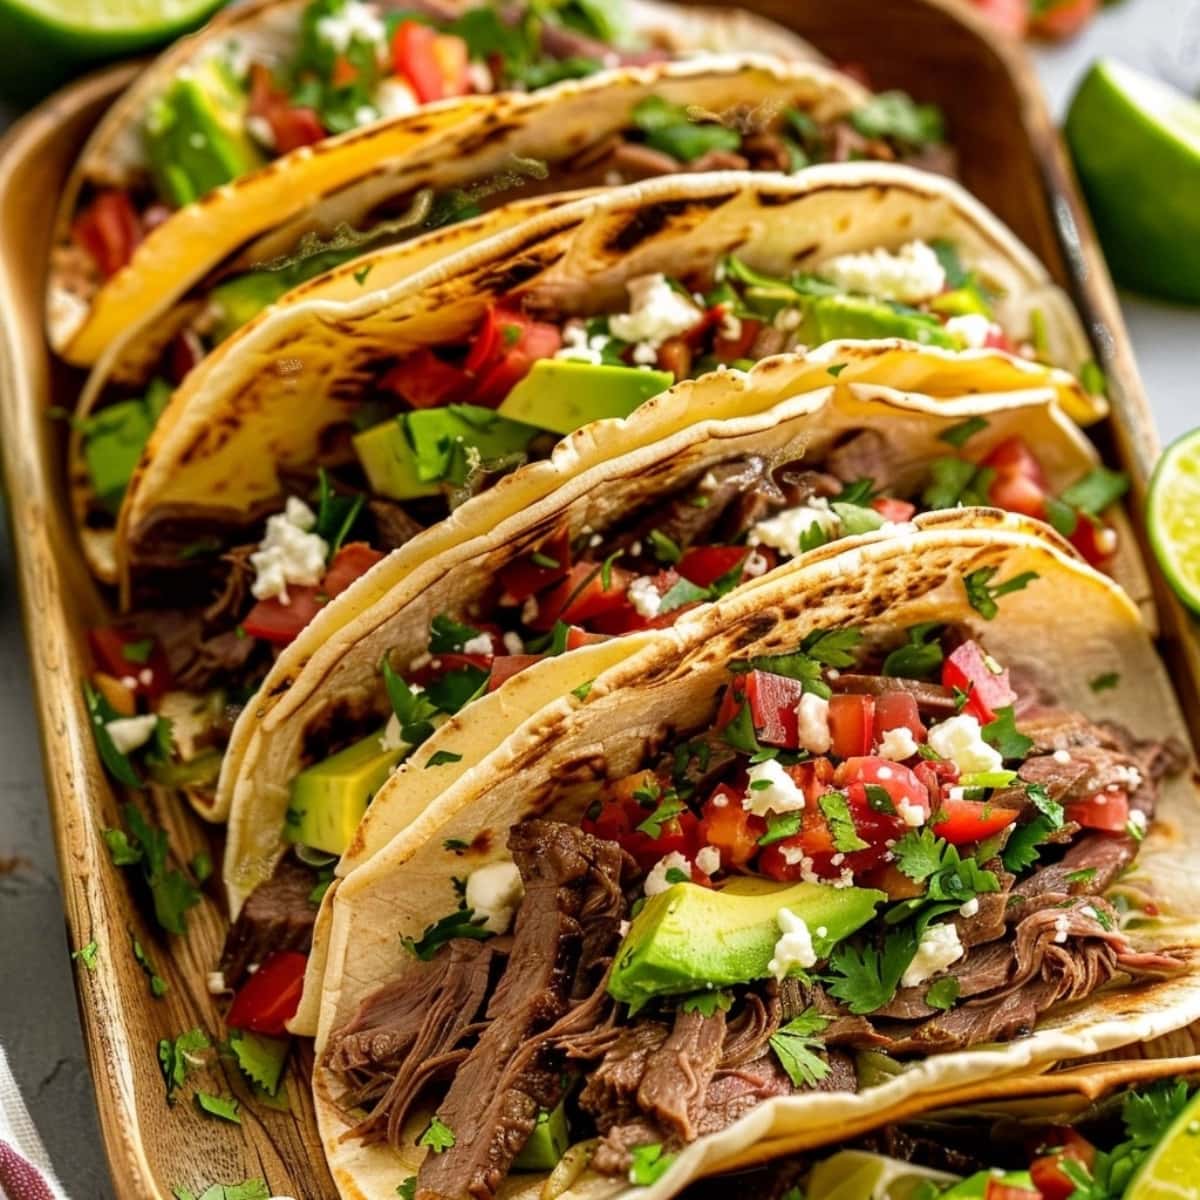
25	1170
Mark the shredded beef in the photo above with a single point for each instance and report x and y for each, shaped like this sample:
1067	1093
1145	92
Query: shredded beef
802	486
277	916
196	662
865	454
393	526
678	1073
1106	854
610	1093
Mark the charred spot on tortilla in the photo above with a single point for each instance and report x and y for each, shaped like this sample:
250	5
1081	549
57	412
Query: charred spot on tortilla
277	690
646	223
513	274
481	843
754	628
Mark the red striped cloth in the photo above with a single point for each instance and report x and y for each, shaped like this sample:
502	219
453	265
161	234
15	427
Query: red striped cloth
25	1170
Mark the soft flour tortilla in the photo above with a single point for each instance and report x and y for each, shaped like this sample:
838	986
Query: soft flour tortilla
593	477
1065	628
268	398
84	315
482	154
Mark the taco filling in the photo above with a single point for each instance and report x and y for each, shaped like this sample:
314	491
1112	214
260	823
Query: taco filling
893	854
661	138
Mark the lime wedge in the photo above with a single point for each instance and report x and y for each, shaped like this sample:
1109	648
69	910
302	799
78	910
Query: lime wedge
1173	516
1136	145
1173	1168
45	41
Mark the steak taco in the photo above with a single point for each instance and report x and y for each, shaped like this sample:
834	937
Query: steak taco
273	107
886	786
495	166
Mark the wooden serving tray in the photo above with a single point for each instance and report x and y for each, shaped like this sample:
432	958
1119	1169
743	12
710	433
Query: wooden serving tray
1011	158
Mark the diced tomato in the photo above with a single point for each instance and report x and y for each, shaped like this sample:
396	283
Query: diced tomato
523	577
1096	541
727	349
486	344
851	721
998	1190
966	668
1011	16
344	72
613	821
506	666
891	509
425	381
704	565
1020	484
1046	1171
1062	18
1105	810
898	710
125	656
446	661
972	820
452	56
623	810
577	637
432	65
997	339
936	777
522	342
1013	454
108	230
269	998
772	700
292	126
582	596
902	786
730	828
280	623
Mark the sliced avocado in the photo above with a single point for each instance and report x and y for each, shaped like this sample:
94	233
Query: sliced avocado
561	395
328	800
114	440
195	135
662	956
827	318
415	454
547	1142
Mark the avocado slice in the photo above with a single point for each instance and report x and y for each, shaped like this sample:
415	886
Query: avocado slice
195	135
662	956
828	318
328	799
547	1142
115	438
561	395
419	451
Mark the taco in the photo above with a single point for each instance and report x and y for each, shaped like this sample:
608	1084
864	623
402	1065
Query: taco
668	526
1101	1132
609	129
928	873
273	106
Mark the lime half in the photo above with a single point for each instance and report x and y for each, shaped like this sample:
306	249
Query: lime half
1173	516
1136	145
46	41
1172	1171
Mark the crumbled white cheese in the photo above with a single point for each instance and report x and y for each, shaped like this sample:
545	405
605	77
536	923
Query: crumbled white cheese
394	98
708	860
970	908
787	319
794	947
259	128
644	596
289	554
812	723
1137	819
1062	757
911	814
131	733
973	328
216	983
910	275
1062	927
480	644
784	529
656	312
645	354
354	20
755	565
656	877
776	790
513	643
961	740
576	346
731	326
897	744
529	610
494	891
391	738
938	948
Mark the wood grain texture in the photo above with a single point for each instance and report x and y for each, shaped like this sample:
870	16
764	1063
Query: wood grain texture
1011	158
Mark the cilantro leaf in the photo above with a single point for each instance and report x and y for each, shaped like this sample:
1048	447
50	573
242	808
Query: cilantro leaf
408	1189
158	985
832	647
982	594
116	763
666	550
841	824
1021	850
88	955
1048	807
954	481
581	692
178	1056
740	733
1148	1114
414	711
943	993
1102	683
958	435
649	1164
921	655
667	809
707	1003
225	1107
1003	735
919	853
248	1189
456	689
441	757
336	513
796	1044
438	1136
897	116
864	977
1096	491
460	923
146	845
448	636
780	826
260	1058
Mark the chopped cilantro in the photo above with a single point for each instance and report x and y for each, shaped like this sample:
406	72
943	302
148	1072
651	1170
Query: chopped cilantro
836	369
707	1003
248	1189
158	985
455	844
408	1189
739	733
841	824
667	809
648	1164
958	435
225	1107
1098	489
1083	876
943	993
780	826
441	757
414	711
460	923
864	977
666	550
336	513
438	1136
117	764
954	481
201	866
1021	850
675	875
448	636
260	1058
1102	683
1003	735
178	1056
1045	804
138	652
921	655
360	276
145	845
88	955
919	853
878	799
813	538
830	648
796	1044
897	116
581	692
982	594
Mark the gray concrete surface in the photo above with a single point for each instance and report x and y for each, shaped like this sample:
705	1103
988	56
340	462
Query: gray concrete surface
38	1018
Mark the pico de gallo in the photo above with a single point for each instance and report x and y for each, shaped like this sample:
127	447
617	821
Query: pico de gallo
890	855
